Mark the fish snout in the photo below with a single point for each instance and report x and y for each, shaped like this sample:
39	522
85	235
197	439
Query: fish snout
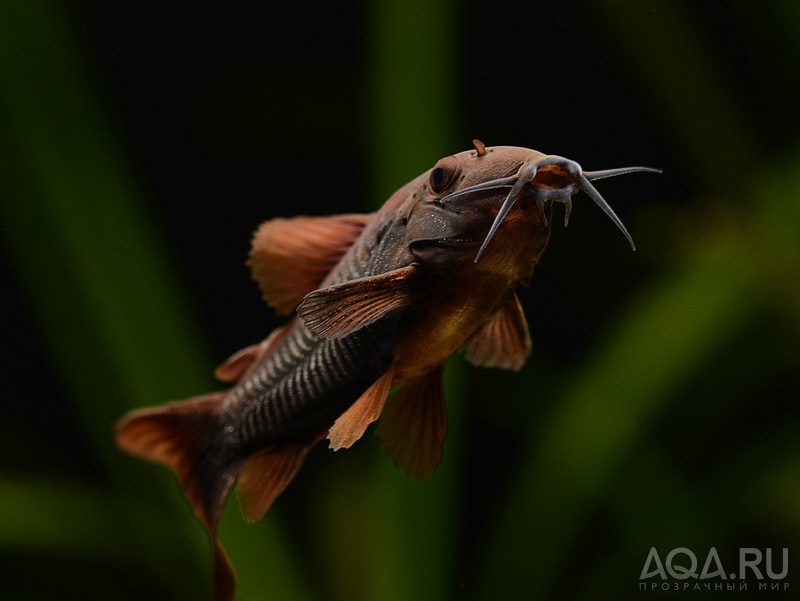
555	178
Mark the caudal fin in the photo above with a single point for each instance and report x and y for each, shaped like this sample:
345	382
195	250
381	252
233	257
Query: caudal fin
184	437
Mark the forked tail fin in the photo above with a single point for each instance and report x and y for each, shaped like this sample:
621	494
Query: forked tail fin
184	436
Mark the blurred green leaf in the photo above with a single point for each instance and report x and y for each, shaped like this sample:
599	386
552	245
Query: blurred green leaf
405	529
81	522
662	339
109	304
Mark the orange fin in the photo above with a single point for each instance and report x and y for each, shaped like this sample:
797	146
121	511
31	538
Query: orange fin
339	310
352	424
503	341
414	425
290	257
238	364
181	436
265	474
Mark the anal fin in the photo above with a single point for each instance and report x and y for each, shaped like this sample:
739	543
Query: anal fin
265	474
352	424
413	425
503	341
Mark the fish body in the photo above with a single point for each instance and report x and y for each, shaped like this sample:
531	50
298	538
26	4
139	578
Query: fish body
382	301
306	380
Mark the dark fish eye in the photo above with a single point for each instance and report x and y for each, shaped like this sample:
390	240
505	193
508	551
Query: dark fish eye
443	173
437	177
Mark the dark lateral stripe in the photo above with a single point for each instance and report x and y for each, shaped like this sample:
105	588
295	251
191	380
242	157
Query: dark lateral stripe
307	378
320	371
341	367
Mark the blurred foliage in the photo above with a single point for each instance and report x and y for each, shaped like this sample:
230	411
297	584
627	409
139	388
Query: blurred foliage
660	406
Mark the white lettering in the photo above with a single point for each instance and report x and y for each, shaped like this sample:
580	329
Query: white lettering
712	555
785	570
680	572
745	563
652	556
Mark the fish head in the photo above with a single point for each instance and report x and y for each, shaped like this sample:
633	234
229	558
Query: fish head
490	209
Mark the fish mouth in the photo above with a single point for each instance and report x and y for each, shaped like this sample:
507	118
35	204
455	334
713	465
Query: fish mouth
447	241
454	241
550	178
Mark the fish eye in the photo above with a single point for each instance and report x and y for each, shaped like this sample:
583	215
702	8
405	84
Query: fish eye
443	173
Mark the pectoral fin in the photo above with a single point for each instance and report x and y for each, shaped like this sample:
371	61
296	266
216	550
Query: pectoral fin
339	310
413	425
352	424
503	341
290	257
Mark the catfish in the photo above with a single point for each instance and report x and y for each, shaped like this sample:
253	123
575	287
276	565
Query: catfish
380	301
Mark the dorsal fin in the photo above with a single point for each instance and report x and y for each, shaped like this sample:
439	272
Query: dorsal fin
413	425
339	310
290	257
503	341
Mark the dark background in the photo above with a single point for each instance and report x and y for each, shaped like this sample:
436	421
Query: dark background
143	142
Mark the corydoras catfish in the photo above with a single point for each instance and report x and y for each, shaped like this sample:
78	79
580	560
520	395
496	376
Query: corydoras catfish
381	302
